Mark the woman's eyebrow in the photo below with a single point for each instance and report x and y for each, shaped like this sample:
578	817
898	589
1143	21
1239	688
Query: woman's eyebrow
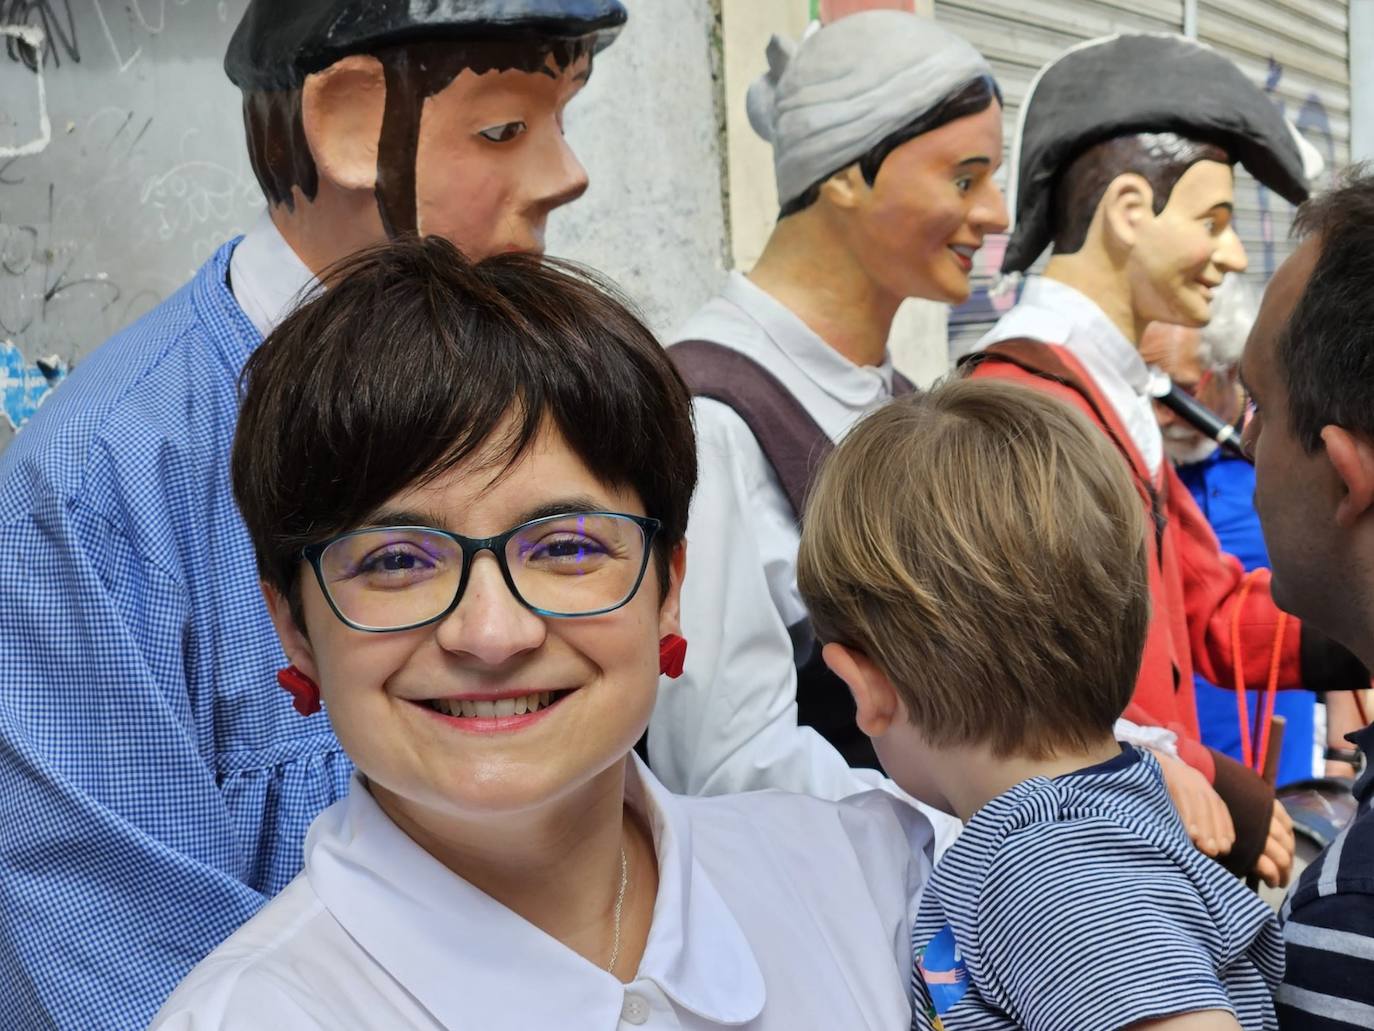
405	518
978	160
561	506
554	507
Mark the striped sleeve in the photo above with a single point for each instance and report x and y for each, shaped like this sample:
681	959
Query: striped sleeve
1085	925
1329	983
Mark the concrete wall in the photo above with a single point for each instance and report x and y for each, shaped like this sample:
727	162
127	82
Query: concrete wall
122	166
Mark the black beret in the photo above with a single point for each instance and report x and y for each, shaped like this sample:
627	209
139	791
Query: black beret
279	42
1140	84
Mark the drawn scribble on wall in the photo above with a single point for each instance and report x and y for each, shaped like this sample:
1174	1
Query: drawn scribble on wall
23	384
54	20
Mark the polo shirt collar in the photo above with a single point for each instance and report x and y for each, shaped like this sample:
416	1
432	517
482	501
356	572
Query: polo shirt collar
473	963
797	343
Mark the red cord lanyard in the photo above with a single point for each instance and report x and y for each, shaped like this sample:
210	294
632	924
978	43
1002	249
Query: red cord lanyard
1254	749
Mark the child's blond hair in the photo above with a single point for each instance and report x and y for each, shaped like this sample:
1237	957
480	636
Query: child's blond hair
984	545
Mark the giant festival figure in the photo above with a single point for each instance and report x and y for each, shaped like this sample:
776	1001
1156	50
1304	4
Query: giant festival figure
1130	180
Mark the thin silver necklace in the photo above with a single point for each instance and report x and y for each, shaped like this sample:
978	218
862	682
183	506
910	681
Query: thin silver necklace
619	906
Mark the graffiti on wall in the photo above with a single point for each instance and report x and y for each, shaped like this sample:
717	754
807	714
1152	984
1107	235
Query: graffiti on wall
1314	123
124	26
100	196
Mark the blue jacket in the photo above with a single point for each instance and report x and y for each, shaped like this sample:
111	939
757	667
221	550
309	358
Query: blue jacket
156	785
1224	488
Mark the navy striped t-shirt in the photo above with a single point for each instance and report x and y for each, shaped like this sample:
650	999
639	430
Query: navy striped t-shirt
1079	904
1328	925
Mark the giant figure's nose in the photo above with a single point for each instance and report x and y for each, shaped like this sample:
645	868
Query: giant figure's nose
989	214
1229	255
557	177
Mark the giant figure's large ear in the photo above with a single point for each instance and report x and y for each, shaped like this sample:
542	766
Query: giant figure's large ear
1125	208
342	108
847	188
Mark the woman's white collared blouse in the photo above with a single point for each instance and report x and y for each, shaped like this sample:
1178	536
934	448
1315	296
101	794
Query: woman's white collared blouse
775	912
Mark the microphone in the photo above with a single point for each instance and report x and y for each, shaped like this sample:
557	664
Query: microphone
1195	414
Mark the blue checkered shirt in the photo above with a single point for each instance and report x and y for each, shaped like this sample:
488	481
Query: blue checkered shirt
155	784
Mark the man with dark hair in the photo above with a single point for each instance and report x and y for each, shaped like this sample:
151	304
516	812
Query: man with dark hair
157	786
1309	368
1131	181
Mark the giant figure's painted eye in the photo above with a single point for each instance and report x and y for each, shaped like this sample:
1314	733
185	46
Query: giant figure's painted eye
503	133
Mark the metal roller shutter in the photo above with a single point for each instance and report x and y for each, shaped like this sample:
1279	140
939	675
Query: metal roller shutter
1299	51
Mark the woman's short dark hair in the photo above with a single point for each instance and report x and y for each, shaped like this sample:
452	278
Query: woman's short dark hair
1326	351
408	363
973	97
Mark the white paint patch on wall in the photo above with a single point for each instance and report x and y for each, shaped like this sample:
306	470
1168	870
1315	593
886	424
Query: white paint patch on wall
25	128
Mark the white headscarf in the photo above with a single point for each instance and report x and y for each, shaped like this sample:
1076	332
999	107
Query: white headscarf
827	100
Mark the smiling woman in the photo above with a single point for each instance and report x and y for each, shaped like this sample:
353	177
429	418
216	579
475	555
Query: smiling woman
467	487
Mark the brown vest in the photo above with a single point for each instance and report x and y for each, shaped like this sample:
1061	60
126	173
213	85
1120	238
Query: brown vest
795	447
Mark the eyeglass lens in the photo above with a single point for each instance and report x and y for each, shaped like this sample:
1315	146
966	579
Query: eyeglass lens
566	566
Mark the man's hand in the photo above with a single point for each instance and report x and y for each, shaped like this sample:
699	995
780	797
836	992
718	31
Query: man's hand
1201	809
1276	865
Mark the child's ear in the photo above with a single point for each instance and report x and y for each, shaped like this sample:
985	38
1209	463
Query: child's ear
874	696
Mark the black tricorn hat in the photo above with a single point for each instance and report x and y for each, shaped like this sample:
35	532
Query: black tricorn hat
279	42
1120	85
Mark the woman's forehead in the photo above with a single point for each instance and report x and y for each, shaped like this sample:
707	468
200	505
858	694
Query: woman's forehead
498	489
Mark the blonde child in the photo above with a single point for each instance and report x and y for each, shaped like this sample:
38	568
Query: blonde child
974	558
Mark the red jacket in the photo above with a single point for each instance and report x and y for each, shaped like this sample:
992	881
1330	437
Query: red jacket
1195	589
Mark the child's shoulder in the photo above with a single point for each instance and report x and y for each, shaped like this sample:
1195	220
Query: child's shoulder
1102	849
1104	826
1122	803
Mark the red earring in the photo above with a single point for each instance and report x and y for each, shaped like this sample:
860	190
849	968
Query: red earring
672	652
304	692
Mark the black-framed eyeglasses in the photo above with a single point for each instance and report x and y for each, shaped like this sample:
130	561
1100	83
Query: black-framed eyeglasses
386	578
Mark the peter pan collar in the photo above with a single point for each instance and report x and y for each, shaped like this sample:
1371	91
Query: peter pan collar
473	963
